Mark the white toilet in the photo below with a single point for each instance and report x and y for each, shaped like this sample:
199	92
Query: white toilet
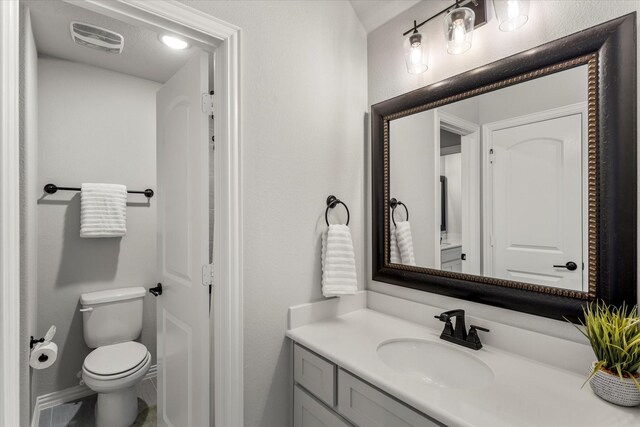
112	319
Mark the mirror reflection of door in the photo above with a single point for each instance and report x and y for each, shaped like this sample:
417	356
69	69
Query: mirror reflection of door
536	199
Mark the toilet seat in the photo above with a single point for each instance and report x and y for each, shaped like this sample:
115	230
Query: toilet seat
116	361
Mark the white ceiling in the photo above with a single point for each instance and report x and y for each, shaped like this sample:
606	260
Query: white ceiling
143	54
374	13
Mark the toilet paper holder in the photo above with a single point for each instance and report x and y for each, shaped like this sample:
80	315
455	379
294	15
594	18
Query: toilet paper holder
35	341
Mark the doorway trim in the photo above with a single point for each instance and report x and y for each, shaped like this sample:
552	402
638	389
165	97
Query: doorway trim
227	305
10	214
470	134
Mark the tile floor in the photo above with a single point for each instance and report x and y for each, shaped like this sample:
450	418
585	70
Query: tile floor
80	413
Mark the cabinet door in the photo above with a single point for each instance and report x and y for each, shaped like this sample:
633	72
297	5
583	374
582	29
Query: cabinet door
315	374
367	406
308	412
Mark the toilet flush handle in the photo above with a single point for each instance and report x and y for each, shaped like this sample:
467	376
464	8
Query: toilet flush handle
86	309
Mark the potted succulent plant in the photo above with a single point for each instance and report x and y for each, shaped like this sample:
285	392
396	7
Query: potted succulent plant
614	334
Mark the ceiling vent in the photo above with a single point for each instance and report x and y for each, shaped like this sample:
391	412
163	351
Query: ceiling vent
97	38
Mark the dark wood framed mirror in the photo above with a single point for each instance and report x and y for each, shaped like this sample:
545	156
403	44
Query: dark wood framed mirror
502	205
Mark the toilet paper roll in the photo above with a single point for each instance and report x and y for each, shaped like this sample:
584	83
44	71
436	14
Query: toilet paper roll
43	355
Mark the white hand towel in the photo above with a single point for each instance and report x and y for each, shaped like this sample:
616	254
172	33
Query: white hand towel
338	262
393	243
405	242
103	210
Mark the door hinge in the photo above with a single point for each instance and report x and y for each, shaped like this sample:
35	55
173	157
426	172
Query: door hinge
207	103
207	275
491	156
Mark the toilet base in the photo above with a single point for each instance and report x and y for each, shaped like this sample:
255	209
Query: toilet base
117	409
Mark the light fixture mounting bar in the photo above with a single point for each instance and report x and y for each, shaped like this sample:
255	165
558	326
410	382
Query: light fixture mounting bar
478	6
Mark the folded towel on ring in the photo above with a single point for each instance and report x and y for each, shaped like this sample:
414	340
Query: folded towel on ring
405	242
393	246
338	262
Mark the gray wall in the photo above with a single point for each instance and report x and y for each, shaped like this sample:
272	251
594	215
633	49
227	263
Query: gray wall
388	77
94	126
303	105
29	193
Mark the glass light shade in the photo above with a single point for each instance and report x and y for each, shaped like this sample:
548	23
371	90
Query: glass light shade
416	54
511	14
458	30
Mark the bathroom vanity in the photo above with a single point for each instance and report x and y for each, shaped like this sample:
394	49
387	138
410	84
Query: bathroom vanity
451	256
343	397
366	368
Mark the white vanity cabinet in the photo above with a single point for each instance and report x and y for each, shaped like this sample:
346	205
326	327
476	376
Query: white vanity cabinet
451	259
326	395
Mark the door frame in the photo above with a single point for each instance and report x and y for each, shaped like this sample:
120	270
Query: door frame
227	305
487	175
471	163
10	214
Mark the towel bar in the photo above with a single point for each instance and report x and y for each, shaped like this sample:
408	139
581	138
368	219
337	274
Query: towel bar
52	189
332	202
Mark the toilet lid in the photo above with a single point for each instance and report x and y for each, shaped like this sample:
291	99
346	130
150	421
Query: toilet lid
116	358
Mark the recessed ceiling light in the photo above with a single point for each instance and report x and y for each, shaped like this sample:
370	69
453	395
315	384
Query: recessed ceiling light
174	42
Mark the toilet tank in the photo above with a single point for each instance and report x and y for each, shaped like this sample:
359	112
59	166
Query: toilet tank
112	316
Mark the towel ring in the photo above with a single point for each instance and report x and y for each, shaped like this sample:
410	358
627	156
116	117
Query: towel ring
393	203
332	202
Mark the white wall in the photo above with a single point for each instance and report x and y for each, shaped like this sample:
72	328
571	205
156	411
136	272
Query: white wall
94	126
548	92
303	120
388	77
29	193
411	165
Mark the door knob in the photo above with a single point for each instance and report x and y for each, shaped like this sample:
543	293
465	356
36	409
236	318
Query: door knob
157	290
569	266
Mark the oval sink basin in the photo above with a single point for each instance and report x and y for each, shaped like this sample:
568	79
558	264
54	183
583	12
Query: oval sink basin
438	364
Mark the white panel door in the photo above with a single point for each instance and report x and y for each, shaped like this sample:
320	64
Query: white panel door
537	202
183	247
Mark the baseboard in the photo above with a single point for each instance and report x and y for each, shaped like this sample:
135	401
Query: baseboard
70	394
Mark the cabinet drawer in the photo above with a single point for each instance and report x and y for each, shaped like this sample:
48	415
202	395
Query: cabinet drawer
367	406
452	254
308	412
452	266
315	374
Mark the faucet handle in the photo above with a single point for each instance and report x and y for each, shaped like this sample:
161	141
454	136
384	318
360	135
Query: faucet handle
473	337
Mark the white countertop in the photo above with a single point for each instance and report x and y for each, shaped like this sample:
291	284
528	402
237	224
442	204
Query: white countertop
452	241
524	392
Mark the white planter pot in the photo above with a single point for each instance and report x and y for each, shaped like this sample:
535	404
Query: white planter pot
612	388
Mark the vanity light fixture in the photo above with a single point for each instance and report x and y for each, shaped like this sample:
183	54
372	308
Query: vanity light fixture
462	17
511	14
174	42
415	52
458	29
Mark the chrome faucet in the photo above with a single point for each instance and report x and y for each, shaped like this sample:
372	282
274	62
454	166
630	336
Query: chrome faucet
458	334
